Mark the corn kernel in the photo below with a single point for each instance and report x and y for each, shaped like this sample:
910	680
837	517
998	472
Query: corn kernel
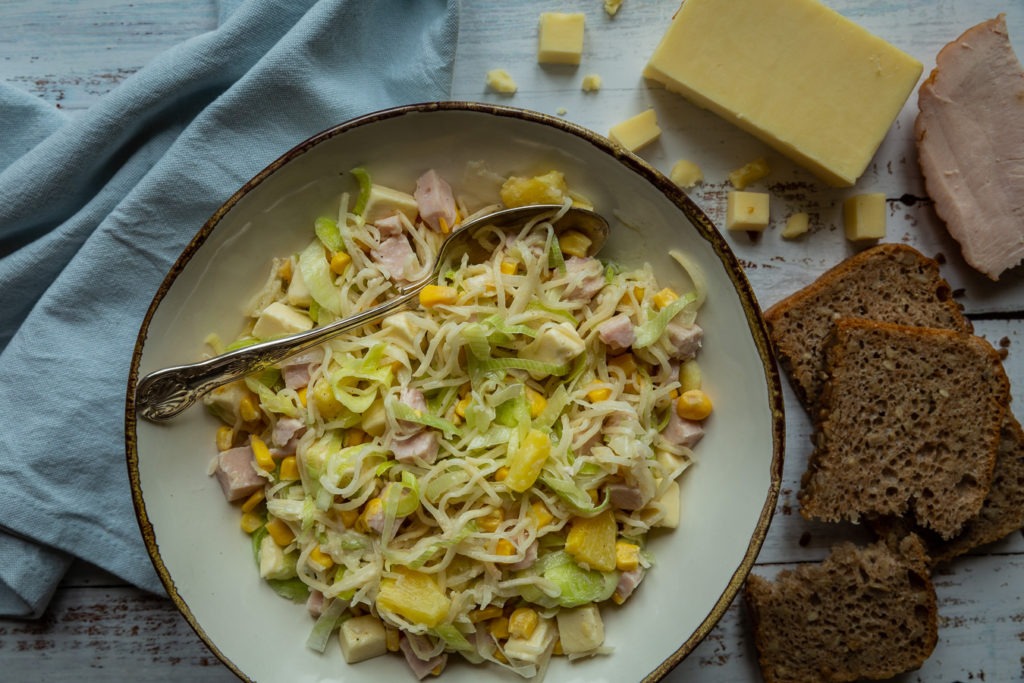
289	469
249	409
627	556
689	375
261	454
491	521
625	362
505	548
436	295
349	517
537	402
225	437
302	394
252	501
638	293
371	509
392	639
484	614
557	648
599	394
327	405
540	514
693	405
436	671
355	437
574	243
498	628
280	532
250	522
339	262
320	559
501	473
460	407
665	297
522	622
617	598
508	267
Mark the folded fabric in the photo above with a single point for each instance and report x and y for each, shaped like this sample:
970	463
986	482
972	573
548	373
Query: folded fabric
93	211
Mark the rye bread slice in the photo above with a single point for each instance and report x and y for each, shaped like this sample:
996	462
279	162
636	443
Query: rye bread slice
1002	512
908	423
863	612
890	283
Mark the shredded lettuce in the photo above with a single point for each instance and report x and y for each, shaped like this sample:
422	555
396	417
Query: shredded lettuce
327	231
362	176
316	273
651	331
333	614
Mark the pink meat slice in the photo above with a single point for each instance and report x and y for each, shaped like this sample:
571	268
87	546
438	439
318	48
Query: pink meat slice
435	201
970	140
235	473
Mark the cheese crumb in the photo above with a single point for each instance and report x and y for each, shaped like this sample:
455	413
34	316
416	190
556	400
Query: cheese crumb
611	7
560	38
864	216
499	80
636	132
746	211
796	225
591	83
561	111
748	173
686	173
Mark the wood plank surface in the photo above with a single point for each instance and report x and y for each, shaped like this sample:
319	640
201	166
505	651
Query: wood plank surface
71	54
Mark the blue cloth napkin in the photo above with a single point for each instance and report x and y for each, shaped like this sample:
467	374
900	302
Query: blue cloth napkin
93	211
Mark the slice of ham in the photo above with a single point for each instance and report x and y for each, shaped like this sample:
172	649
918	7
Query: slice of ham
235	473
395	257
617	332
390	226
970	142
586	278
422	445
421	668
682	432
435	201
286	429
685	340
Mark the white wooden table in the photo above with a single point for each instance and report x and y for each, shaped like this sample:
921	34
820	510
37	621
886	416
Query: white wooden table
71	54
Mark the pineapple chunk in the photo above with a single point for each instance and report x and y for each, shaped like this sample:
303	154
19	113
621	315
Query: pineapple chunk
549	188
414	596
591	541
525	464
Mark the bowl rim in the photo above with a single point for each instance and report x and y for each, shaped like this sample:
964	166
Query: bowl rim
670	190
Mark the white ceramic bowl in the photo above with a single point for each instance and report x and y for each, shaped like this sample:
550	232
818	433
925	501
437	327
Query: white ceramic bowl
193	537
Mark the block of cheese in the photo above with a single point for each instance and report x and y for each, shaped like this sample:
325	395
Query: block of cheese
560	38
864	217
812	84
636	131
746	210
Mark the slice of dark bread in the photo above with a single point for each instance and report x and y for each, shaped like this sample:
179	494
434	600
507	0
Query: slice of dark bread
908	423
1002	512
863	612
889	283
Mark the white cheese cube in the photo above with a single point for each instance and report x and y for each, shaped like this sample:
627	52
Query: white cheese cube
384	201
560	38
580	629
375	420
501	81
796	225
686	173
558	344
670	503
529	650
401	326
591	83
298	293
279	319
746	211
273	564
636	132
362	638
864	217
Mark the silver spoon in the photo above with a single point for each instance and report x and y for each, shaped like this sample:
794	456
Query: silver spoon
162	394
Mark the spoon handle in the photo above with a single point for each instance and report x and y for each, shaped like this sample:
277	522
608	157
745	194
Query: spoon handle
165	393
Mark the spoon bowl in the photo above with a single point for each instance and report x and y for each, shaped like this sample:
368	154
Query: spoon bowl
165	393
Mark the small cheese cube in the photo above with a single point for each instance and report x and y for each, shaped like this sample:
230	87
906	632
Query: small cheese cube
748	173
561	38
591	83
529	650
273	562
746	211
375	420
686	173
864	216
298	293
612	7
635	132
384	201
670	503
499	80
556	345
796	225
279	319
362	638
580	629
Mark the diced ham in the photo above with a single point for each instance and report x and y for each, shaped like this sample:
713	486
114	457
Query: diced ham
374	519
435	200
395	257
390	226
970	142
626	497
628	581
285	430
617	332
235	473
586	278
680	431
422	445
413	398
296	376
421	668
529	557
685	340
315	603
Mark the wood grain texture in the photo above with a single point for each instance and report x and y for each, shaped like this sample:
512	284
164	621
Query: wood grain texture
71	54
